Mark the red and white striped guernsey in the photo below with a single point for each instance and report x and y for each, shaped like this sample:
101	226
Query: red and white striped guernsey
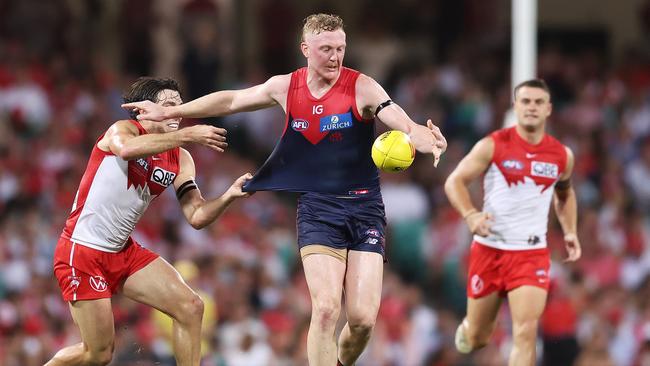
518	188
113	195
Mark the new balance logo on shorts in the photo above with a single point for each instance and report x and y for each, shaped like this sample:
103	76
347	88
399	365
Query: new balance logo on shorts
373	236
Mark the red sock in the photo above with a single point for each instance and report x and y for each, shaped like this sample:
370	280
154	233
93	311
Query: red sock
339	363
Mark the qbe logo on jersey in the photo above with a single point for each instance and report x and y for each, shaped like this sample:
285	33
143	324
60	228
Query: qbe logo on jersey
336	122
162	176
545	170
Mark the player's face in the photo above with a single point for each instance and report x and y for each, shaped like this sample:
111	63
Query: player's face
532	107
325	52
168	97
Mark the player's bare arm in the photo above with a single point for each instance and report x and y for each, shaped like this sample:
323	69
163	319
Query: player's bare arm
372	98
566	209
198	211
220	103
124	140
471	167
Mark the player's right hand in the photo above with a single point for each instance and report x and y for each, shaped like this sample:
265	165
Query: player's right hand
210	136
235	190
479	223
147	110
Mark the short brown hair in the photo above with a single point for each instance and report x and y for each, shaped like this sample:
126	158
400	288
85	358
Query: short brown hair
317	23
147	88
533	83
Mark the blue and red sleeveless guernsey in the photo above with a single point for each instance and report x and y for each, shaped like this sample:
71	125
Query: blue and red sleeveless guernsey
518	187
325	146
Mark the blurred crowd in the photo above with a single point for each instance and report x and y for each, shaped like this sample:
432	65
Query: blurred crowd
64	64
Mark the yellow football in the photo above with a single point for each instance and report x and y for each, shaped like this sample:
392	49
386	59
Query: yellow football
393	151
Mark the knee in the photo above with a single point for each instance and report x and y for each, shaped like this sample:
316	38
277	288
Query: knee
361	324
326	313
190	309
99	357
525	331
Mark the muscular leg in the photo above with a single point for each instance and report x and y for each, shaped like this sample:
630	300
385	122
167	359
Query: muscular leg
95	321
362	297
526	306
160	286
477	327
324	275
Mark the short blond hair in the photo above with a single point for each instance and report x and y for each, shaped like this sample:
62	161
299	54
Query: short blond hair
317	23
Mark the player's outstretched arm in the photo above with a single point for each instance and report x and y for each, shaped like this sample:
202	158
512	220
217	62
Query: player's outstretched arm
373	101
198	211
220	103
566	210
124	140
470	168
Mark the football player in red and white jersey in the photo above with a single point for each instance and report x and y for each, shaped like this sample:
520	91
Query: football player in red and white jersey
132	163
525	169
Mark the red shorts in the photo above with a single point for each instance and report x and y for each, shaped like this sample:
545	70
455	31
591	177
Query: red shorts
492	269
86	274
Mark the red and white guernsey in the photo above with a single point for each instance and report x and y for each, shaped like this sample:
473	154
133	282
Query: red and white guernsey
518	188
113	195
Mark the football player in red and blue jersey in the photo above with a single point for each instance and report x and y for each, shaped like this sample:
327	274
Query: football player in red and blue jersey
324	154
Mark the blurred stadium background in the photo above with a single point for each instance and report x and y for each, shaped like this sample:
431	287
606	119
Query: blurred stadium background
64	64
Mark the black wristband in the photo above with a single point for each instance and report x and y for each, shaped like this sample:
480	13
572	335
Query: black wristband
184	188
383	105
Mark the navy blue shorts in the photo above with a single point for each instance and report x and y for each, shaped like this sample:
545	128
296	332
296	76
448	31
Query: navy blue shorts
342	223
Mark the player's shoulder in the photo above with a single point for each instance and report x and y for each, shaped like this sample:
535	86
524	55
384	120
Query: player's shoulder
184	154
368	89
502	135
278	83
553	143
485	147
363	80
281	78
123	126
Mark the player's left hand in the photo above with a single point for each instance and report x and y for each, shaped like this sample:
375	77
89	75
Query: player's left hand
428	139
235	190
441	143
573	249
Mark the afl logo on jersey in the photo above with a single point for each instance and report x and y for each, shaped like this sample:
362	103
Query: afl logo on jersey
545	170
162	177
299	125
513	164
